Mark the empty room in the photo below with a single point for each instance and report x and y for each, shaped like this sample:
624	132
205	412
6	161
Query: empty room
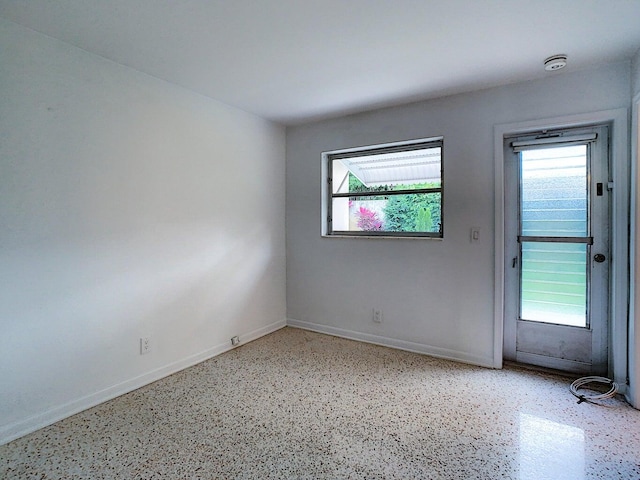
319	239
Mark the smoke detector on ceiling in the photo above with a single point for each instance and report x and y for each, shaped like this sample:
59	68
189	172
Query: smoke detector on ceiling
555	62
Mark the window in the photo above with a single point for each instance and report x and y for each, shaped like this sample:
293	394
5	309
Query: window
392	190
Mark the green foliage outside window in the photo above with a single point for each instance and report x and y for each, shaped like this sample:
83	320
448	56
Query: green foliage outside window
413	213
356	185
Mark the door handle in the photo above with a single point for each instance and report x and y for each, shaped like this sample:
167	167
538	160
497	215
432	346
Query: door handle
598	257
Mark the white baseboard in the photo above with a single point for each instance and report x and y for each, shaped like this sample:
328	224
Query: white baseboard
20	428
430	350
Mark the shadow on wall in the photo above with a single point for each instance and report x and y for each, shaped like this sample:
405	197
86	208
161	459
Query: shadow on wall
69	311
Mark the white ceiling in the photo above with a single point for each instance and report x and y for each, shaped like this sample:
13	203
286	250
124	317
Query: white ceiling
296	60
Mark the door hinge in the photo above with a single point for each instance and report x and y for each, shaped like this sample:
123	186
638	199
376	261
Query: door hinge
609	186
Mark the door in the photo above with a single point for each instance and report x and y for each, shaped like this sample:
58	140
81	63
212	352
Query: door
557	237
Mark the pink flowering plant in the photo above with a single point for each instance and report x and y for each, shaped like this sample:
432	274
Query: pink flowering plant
367	220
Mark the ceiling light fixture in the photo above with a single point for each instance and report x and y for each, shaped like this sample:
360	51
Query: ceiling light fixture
555	62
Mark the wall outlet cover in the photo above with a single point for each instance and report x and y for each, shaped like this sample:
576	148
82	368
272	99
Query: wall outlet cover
145	345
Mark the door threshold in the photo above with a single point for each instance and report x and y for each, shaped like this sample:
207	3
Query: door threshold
535	368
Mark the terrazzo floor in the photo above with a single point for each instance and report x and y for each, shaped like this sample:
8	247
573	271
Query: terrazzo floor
297	404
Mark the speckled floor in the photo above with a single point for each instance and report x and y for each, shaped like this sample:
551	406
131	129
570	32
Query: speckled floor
297	404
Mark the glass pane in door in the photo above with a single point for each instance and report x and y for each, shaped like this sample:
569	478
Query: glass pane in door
553	192
554	203
554	283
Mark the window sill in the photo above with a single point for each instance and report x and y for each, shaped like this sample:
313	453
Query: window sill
381	237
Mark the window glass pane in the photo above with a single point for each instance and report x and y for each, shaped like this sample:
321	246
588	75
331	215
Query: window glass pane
387	190
340	181
554	192
554	283
410	169
340	213
420	212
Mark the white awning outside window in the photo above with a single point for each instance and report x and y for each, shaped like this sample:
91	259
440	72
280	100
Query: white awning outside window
404	167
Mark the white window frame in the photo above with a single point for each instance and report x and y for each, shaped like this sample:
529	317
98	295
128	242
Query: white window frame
328	195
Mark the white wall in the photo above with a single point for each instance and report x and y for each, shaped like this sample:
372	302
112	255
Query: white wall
437	296
129	208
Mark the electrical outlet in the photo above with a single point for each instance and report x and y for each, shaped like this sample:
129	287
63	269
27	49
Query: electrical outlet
377	315
235	341
145	345
475	234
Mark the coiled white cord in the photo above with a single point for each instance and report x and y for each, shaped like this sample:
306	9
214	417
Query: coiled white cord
575	386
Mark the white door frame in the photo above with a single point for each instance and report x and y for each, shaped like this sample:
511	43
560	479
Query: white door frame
633	395
618	119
